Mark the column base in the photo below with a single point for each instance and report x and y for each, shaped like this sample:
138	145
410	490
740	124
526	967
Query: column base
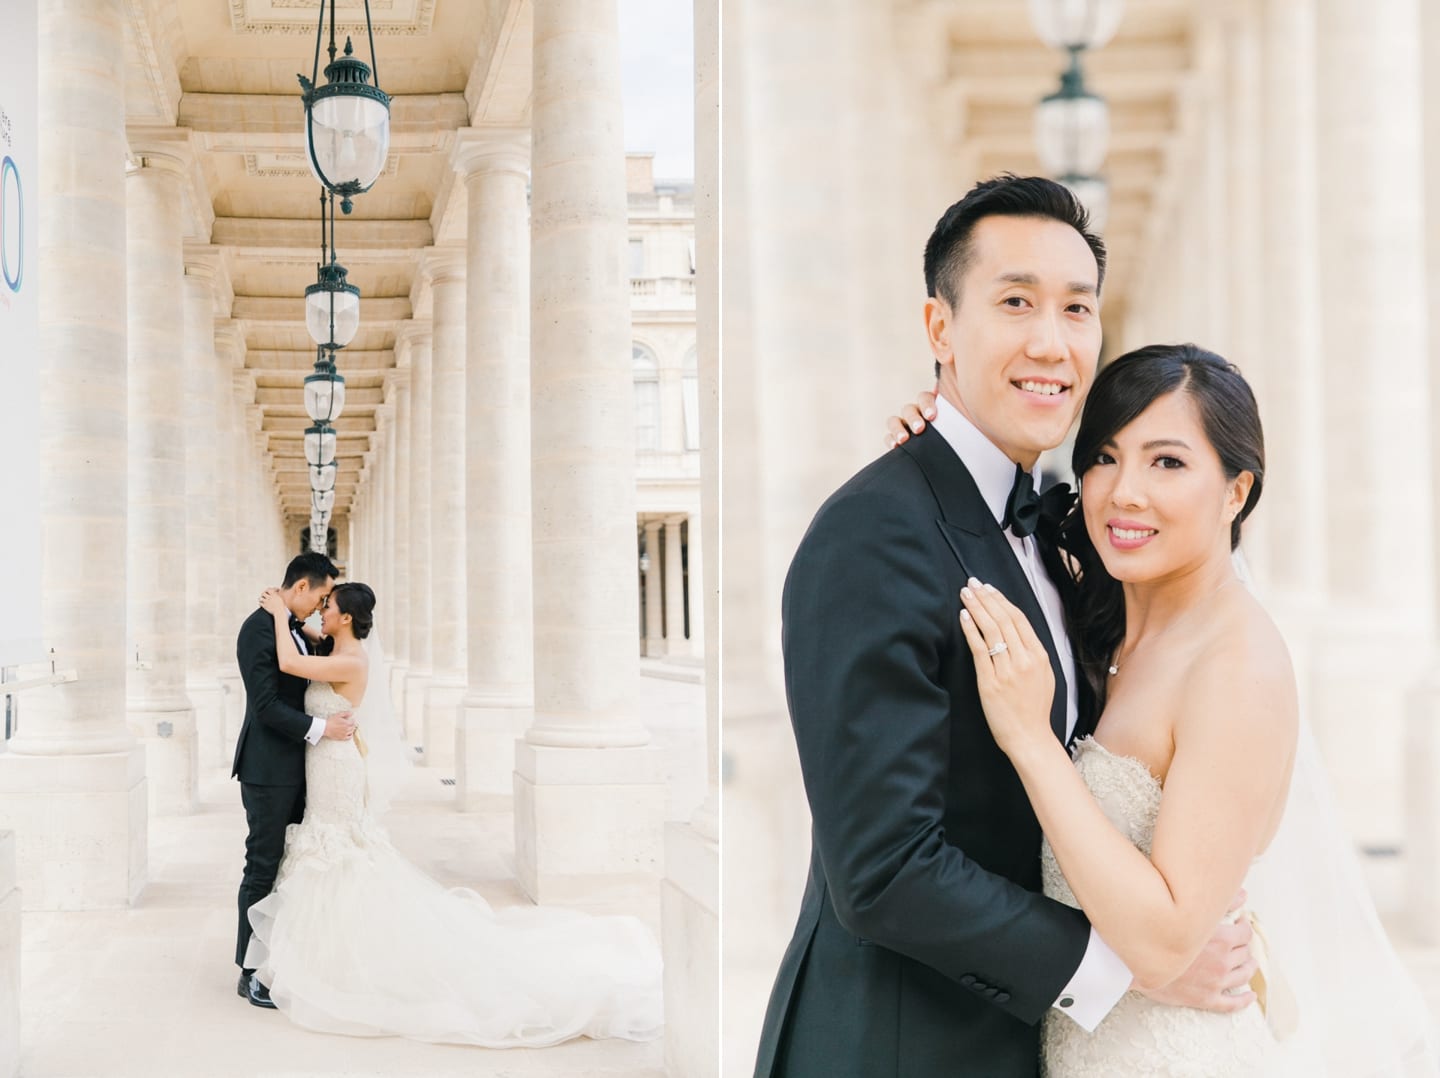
233	710
80	825
586	819
682	648
485	736
442	702
172	758
690	919
653	647
9	959
1362	663
208	698
412	716
1422	809
398	672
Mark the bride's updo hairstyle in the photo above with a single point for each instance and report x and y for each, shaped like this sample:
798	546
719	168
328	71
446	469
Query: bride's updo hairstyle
357	600
1123	390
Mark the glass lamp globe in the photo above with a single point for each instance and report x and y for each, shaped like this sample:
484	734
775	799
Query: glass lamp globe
319	445
1076	24
322	500
332	299
347	128
1072	133
324	396
1094	194
322	478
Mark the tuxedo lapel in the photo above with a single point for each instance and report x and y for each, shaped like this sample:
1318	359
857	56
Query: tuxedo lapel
982	549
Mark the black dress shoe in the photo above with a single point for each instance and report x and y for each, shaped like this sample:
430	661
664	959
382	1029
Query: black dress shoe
258	994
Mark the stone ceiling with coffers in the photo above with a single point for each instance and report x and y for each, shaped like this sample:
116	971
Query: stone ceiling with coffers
224	71
996	69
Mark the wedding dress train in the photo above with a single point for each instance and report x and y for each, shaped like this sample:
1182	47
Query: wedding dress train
355	939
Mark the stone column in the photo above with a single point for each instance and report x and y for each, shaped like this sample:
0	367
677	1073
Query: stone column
1375	640
1422	728
72	785
498	703
654	609
9	959
204	563
157	708
397	621
416	342
690	893
230	358
589	800
446	269
675	640
1292	407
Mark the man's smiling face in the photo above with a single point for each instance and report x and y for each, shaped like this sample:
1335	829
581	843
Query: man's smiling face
1019	347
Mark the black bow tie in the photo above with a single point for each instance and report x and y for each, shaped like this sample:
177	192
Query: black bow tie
296	625
1026	511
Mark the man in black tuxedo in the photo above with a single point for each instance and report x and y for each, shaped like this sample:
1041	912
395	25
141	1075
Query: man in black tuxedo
270	752
924	948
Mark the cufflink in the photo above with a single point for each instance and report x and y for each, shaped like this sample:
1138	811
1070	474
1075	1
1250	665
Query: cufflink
1067	1001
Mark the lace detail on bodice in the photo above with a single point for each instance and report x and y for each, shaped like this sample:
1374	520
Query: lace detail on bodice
1139	1036
335	817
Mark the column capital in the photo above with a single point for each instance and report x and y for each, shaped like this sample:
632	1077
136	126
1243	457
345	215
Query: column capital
416	331
491	149
396	379
166	148
230	342
202	260
443	264
243	382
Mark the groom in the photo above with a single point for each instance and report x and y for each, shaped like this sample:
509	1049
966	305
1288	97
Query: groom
923	946
270	752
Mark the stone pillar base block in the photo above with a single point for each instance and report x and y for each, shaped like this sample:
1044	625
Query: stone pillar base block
80	825
208	699
412	716
690	918
586	818
485	739
9	959
442	703
398	673
1422	809
172	759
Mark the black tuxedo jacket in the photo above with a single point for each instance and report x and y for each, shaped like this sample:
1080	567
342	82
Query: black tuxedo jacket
923	947
271	748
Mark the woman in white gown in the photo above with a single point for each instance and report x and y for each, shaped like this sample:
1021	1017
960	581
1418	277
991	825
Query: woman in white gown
1170	807
355	939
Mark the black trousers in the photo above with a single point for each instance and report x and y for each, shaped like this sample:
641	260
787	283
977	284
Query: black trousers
268	811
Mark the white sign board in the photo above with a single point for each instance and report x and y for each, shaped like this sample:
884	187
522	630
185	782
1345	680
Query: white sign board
20	637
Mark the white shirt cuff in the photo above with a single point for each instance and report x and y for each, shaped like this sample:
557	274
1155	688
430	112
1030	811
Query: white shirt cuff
1096	986
317	731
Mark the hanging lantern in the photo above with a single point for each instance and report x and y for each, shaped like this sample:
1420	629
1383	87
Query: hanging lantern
1094	194
347	121
324	390
322	501
1076	24
319	445
322	478
1072	126
332	307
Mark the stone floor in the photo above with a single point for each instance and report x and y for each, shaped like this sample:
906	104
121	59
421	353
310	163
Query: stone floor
151	990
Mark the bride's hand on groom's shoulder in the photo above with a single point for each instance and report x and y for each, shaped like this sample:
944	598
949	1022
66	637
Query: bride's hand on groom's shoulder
911	419
271	601
1012	667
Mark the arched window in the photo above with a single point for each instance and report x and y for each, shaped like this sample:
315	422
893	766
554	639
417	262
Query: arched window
646	370
690	388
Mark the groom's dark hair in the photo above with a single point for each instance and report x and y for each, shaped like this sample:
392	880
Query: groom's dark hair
949	252
316	568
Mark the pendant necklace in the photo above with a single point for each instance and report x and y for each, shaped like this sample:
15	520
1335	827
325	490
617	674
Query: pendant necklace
1114	667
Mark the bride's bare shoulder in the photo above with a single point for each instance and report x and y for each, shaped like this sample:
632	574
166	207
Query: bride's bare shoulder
1244	667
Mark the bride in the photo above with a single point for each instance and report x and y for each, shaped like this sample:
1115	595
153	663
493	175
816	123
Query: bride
355	939
1178	797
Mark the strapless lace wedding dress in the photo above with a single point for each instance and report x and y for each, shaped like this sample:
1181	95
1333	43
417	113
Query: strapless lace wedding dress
357	940
1140	1037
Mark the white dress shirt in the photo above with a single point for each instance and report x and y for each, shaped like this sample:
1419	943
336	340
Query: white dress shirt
1102	977
317	724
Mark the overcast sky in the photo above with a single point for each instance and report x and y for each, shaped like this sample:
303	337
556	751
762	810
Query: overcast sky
657	55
